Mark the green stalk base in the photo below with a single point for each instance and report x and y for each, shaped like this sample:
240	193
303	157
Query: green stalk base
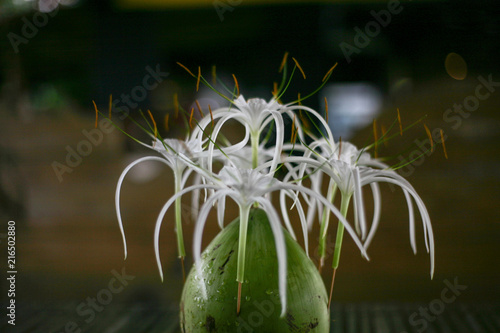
260	303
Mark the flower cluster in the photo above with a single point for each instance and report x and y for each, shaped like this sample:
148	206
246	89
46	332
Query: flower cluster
263	162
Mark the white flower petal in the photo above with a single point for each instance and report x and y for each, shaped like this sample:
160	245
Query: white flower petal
280	250
118	189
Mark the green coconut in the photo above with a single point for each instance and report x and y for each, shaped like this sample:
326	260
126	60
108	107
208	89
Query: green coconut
306	308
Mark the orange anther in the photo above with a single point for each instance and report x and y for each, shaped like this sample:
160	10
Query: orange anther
400	124
198	80
329	72
96	113
429	136
283	62
166	121
326	110
211	114
199	108
237	85
191	118
300	68
154	123
442	142
214	75
176	105
178	63
110	104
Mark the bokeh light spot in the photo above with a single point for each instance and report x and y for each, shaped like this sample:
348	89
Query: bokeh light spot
455	65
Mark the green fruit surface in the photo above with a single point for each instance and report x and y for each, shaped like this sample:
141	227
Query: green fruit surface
260	302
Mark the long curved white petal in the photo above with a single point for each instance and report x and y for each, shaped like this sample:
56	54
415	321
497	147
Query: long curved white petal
376	213
280	250
159	220
118	189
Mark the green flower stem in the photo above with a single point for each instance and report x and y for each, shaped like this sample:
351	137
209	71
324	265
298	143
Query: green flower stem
325	221
344	205
242	242
255	155
255	150
178	219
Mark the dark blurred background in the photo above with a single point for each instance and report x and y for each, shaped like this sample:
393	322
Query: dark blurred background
432	58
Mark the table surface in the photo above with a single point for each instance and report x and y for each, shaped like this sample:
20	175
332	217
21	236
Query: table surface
352	317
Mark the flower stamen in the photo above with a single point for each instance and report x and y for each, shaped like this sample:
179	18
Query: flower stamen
191	118
96	113
275	89
329	72
199	108
176	105
214	75
326	110
294	131
283	62
211	114
178	63
442	142
429	136
340	146
400	124
154	123
110	104
237	85
300	68
166	122
198	80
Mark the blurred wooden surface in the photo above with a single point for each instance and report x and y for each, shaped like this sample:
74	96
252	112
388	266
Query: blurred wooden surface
69	241
141	317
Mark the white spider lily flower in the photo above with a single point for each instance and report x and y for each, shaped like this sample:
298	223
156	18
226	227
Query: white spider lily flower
255	115
247	187
351	169
181	157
